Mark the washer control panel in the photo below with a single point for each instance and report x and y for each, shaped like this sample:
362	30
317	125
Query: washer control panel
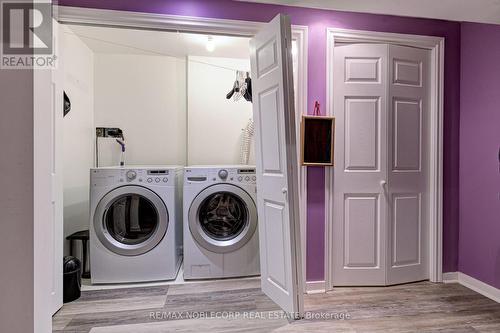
126	176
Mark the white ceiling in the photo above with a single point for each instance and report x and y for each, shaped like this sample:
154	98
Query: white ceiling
148	42
485	11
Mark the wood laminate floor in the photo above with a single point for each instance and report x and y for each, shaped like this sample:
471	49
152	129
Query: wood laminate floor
240	306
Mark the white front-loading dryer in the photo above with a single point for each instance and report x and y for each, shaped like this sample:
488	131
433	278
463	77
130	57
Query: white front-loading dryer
220	222
135	223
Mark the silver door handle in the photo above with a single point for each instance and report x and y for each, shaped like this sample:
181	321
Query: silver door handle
284	190
383	183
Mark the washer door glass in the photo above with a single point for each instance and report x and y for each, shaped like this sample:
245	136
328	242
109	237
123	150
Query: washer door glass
223	215
131	219
222	218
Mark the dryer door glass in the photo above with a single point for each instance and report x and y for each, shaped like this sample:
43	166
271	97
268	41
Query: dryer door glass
223	215
131	219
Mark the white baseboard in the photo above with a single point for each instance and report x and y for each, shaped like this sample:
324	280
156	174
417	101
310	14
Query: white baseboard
315	287
473	284
479	286
450	277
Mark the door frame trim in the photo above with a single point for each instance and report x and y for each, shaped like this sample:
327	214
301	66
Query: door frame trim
436	46
164	22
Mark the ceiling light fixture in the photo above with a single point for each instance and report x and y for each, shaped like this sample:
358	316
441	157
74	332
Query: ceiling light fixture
210	44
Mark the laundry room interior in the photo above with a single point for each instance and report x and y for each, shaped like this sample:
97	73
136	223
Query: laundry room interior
250	165
143	100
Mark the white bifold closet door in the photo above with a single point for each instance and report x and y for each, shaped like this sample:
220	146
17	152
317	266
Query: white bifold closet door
276	164
381	185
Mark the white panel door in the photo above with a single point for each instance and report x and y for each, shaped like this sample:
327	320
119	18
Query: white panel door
57	175
48	187
381	176
276	162
407	251
360	191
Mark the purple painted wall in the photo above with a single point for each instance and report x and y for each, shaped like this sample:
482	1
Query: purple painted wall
479	245
317	21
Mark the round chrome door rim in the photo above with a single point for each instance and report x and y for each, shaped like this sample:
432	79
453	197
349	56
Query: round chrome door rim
130	249
222	246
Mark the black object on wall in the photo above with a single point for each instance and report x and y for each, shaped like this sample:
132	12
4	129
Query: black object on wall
66	104
109	132
106	132
317	145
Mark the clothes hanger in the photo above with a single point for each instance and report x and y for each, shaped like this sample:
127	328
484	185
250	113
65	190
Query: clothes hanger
248	91
242	87
236	88
241	84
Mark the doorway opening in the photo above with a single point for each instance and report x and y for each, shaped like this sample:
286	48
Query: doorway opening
91	55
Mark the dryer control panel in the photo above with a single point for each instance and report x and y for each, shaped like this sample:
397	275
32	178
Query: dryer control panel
235	175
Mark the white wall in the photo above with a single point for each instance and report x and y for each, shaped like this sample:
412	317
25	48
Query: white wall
145	96
78	132
214	123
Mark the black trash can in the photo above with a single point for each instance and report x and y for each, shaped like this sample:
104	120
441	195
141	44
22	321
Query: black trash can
72	281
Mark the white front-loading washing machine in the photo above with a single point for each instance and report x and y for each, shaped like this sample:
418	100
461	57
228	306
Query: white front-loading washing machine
135	223
220	222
